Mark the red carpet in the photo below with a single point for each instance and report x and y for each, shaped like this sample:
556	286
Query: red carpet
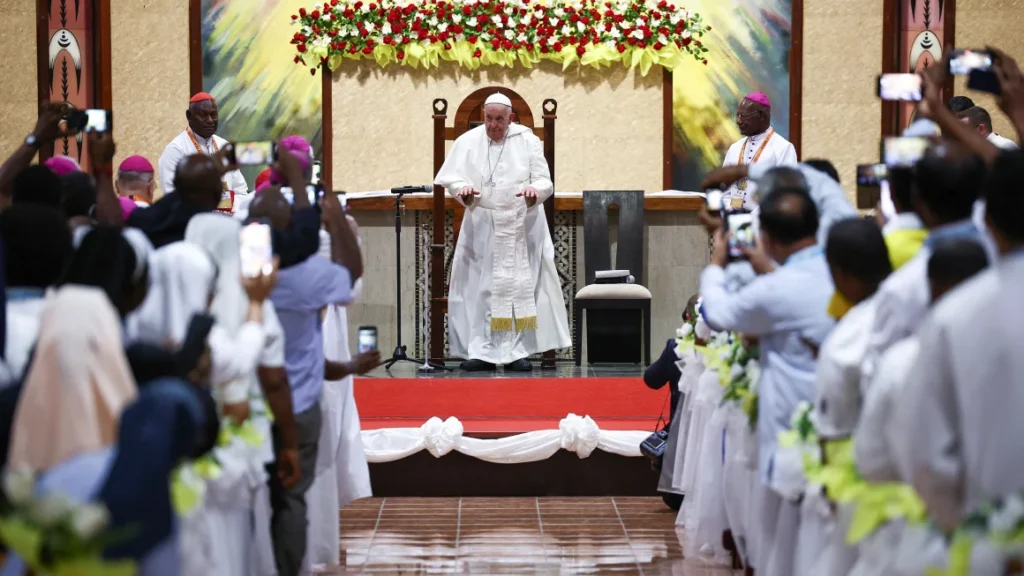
508	405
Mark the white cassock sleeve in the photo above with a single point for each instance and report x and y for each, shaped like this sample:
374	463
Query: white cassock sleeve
788	156
929	408
236	182
540	173
168	164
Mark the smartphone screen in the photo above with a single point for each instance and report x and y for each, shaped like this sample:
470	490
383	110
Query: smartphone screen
342	199
903	151
97	120
899	87
871	174
256	250
317	169
715	200
963	62
254	153
741	229
367	339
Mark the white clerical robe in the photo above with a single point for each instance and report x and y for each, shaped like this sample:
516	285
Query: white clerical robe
962	399
777	151
181	147
517	162
837	378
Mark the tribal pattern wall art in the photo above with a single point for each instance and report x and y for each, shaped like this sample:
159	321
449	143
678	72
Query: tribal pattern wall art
70	57
922	41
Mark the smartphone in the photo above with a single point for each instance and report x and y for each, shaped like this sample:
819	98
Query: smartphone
254	153
903	151
871	175
715	200
256	250
977	66
314	192
341	198
367	339
899	87
741	228
317	170
92	120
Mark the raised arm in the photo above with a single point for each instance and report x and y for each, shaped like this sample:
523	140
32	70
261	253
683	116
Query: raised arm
101	155
47	130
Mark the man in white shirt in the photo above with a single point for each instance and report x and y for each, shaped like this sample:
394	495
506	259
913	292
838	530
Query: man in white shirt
947	180
761	145
964	395
784	308
978	118
199	138
505	299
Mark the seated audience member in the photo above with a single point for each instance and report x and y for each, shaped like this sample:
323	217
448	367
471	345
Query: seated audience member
116	261
135	180
904	232
962	396
945	189
62	165
785	309
303	290
978	118
38	249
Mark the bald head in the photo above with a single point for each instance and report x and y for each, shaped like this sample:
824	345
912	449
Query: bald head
197	179
273	206
202	117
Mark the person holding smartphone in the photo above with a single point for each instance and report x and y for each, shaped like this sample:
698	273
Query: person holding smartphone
199	138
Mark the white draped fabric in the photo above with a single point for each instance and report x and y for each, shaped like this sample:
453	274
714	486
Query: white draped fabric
575	434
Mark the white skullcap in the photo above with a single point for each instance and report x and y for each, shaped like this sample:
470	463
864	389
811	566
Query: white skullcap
498	98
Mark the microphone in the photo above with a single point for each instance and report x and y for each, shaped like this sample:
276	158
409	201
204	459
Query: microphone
412	189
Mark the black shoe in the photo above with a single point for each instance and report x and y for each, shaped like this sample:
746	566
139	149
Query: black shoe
476	366
521	365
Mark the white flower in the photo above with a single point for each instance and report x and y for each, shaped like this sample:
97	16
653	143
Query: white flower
736	371
509	11
580	26
640	22
369	27
566	30
306	30
456	18
318	7
615	33
386	28
321	42
685	34
433	21
485	37
509	34
553	21
559	12
521	37
1005	519
638	34
89	520
539	14
684	331
397	38
675	19
471	22
662	39
50	509
753	369
498	23
512	22
19	485
442	27
365	9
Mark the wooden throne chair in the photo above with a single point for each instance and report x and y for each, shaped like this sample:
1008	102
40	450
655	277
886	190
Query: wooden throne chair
469	115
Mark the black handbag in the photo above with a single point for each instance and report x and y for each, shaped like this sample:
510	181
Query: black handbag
653	447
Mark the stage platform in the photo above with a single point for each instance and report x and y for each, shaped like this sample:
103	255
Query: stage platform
501	405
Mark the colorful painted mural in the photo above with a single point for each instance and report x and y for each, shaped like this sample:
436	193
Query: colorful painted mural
922	41
749	42
261	95
71	60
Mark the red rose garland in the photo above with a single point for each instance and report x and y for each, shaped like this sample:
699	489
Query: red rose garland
499	32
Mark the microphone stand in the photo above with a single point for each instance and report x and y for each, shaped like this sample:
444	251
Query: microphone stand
400	354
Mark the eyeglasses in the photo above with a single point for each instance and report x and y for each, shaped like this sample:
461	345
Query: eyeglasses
747	115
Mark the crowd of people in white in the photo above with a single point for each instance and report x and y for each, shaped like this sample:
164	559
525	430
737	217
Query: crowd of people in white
846	391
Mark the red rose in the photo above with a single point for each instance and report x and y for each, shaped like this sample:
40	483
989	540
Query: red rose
686	41
658	45
369	43
387	40
367	50
544	49
372	7
422	35
704	62
621	48
642	44
557	47
631	41
574	18
301	48
477	53
529	46
334	2
332	33
358	5
349	13
585	20
405	40
580	50
298	60
697	42
302	12
467	10
352	50
447	46
507	44
315	14
483	18
341	45
364	33
295	16
619	18
401	55
471	39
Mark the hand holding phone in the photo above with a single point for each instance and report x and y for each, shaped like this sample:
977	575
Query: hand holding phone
714	200
903	151
256	250
740	226
254	153
977	66
367	339
900	87
92	120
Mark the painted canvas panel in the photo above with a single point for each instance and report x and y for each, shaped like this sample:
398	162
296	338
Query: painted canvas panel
71	58
261	95
749	42
922	41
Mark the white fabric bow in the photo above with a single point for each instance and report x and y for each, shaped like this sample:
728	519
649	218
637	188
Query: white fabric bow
579	434
440	438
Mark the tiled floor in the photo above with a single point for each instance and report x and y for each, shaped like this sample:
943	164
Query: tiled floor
514	535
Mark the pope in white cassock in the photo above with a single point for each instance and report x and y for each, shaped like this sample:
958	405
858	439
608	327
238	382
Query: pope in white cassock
504	298
760	145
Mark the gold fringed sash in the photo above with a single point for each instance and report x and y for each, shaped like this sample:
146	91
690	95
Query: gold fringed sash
512	285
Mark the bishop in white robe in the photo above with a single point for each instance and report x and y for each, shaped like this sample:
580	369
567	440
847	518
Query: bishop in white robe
504	299
761	145
199	138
